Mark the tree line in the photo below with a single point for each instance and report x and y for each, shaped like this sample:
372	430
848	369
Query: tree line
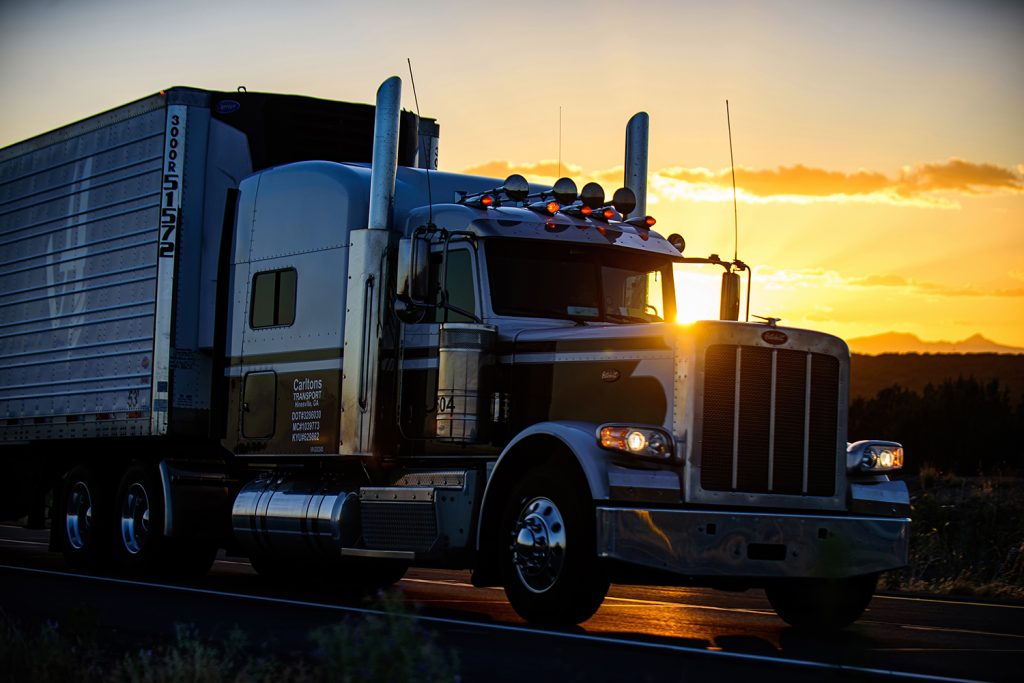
963	426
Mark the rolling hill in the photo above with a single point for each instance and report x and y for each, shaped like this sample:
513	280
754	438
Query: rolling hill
901	342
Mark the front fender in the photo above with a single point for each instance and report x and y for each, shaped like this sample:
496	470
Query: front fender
579	440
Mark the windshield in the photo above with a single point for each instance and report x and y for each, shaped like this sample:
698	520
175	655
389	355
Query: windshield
579	282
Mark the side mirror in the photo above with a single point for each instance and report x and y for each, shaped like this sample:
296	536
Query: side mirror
730	301
413	270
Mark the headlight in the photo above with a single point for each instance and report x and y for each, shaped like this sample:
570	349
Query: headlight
642	441
874	456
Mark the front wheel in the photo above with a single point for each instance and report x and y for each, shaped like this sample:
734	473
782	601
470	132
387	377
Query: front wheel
822	604
549	561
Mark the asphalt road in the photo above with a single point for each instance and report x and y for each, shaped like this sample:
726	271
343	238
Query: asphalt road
639	634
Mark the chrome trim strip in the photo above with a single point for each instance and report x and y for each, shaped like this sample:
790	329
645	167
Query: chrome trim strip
807	420
771	424
736	420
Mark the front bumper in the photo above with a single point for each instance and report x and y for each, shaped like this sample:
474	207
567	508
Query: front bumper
702	543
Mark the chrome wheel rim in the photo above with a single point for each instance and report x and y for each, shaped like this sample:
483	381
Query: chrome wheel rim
78	516
538	545
135	519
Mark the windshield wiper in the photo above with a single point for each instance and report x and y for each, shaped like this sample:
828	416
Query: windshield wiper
622	318
544	313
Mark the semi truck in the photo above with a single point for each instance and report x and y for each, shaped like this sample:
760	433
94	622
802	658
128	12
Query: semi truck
270	324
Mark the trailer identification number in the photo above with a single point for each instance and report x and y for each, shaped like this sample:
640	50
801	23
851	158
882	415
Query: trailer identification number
170	193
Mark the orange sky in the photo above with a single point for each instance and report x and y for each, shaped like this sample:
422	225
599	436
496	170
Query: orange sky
879	145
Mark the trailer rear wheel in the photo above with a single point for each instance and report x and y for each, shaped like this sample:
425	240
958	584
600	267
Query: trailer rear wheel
140	545
822	604
549	561
84	515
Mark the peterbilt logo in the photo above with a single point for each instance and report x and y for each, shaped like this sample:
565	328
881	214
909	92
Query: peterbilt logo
609	375
774	337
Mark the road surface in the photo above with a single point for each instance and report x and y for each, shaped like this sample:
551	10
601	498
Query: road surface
639	634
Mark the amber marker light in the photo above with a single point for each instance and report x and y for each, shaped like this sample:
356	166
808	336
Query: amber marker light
608	214
586	210
553	207
649	221
487	200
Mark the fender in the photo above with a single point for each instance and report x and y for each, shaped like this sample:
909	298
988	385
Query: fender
579	439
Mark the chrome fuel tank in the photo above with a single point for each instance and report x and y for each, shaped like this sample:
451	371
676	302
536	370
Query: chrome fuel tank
284	516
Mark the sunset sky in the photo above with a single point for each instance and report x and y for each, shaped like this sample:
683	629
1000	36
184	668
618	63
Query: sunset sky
879	144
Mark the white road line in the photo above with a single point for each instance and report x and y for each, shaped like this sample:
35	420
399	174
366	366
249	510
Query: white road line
940	650
14	540
943	629
940	601
485	626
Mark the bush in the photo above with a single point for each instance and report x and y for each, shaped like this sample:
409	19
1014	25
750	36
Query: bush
382	648
966	536
392	646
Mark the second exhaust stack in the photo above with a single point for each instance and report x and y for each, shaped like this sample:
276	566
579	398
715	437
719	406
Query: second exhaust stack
635	174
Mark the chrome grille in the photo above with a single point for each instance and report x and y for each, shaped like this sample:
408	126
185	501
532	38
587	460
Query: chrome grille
770	421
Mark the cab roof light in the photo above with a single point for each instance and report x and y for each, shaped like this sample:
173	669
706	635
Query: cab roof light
578	209
642	222
550	207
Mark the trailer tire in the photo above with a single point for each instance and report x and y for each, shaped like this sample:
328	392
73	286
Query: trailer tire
548	552
140	546
85	519
822	604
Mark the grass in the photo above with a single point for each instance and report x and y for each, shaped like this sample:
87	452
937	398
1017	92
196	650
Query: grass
966	538
389	646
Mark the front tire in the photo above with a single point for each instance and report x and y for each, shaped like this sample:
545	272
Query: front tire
822	604
548	554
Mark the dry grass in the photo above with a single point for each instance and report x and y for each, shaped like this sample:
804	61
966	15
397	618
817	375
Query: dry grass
967	536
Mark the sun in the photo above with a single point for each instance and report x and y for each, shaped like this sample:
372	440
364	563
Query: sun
697	293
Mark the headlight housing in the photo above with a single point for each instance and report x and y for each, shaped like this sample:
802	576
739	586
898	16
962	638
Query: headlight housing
874	456
647	442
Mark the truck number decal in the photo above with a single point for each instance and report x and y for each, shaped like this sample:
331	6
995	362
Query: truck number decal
446	404
170	200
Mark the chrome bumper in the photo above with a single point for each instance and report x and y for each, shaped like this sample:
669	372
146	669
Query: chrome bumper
755	545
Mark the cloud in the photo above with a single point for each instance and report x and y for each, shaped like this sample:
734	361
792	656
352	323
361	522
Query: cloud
535	172
778	279
933	185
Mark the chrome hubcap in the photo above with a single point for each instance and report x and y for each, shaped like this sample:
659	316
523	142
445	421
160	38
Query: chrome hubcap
135	519
78	516
538	547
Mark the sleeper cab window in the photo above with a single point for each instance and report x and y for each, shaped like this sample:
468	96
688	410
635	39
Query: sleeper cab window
273	299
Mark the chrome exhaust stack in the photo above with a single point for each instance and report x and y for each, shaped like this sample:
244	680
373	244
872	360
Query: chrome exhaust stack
635	174
361	409
384	166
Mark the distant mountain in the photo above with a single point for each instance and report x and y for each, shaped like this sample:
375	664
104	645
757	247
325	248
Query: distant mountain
901	342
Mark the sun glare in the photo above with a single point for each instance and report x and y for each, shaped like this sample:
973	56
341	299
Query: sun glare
697	293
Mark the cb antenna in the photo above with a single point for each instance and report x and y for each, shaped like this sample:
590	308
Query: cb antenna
419	138
732	168
559	141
